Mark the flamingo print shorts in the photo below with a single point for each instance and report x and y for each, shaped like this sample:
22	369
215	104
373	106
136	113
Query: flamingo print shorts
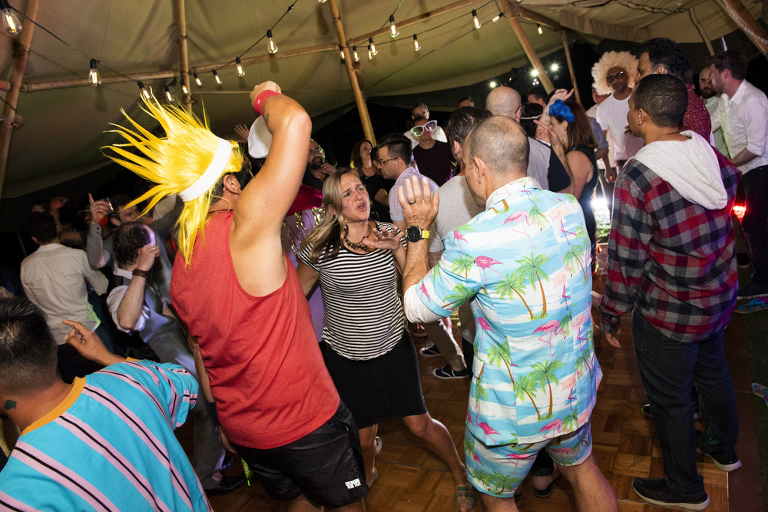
498	470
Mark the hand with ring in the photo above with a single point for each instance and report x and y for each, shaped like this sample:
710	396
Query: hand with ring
421	211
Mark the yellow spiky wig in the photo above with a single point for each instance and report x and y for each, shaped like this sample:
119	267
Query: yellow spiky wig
174	163
624	60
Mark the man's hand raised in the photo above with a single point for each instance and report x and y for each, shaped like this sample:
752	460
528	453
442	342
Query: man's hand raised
89	345
420	211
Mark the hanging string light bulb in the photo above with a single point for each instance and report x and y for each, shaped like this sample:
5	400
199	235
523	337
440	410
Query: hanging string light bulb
271	45
497	17
143	90
555	66
538	27
240	71
216	77
354	54
370	53
475	21
11	23
184	89
93	74
168	95
341	52
416	43
392	27
197	80
321	1
372	47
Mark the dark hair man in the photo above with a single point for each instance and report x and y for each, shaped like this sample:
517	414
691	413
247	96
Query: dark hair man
538	95
54	277
487	264
675	267
742	114
137	306
662	56
317	168
466	101
104	442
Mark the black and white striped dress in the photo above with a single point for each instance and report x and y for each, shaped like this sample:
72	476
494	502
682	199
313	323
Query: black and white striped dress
363	313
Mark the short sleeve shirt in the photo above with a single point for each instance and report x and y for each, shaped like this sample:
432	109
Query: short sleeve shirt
395	210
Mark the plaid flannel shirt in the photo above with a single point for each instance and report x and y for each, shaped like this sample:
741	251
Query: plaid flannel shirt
670	258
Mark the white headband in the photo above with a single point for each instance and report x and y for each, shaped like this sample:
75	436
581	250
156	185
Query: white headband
209	177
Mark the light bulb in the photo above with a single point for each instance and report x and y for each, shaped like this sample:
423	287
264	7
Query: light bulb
240	71
372	47
392	28
93	74
538	27
498	17
555	67
492	84
341	52
168	95
354	54
144	91
534	72
475	21
370	53
321	1
416	43
197	80
271	46
216	77
11	23
184	89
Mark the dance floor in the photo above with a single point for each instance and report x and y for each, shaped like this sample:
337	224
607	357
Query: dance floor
412	479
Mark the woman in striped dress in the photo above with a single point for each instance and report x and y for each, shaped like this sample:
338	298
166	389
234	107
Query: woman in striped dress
368	350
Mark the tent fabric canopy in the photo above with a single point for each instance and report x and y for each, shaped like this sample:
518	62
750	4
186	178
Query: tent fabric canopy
66	128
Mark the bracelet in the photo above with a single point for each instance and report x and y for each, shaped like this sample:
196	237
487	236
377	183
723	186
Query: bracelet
260	99
213	413
141	273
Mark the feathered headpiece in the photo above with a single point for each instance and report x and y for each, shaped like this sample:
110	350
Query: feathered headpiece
188	161
623	60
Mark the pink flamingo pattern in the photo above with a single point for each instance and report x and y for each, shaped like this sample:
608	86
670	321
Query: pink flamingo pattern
484	326
484	262
517	457
560	280
487	430
550	327
553	428
578	323
424	291
516	218
458	237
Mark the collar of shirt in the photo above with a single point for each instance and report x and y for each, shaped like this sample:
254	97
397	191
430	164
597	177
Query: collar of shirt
738	95
49	247
510	189
122	273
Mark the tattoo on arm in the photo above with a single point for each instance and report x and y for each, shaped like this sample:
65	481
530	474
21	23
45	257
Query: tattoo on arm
266	119
9	404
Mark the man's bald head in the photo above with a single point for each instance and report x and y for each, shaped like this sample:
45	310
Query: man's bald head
504	101
502	145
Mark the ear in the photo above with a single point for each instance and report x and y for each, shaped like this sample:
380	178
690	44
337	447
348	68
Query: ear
114	221
231	184
331	209
480	169
661	69
35	240
456	149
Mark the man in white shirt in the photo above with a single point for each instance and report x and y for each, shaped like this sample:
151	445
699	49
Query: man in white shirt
743	116
711	100
613	71
54	277
422	110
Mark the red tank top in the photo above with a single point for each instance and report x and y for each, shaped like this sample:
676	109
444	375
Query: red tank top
261	353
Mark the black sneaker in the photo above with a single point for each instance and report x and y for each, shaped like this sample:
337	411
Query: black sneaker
752	290
743	260
657	492
696	411
447	372
430	351
726	460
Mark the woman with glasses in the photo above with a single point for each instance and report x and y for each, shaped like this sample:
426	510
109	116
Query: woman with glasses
433	157
368	352
370	175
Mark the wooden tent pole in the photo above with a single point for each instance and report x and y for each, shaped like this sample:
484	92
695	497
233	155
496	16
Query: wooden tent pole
526	44
747	23
12	98
181	21
362	109
567	49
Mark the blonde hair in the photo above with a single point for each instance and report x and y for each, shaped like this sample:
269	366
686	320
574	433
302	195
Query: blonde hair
623	60
325	238
174	163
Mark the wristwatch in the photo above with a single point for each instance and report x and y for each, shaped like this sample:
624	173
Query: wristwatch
415	234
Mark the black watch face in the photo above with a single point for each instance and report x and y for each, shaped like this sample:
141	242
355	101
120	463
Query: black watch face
413	233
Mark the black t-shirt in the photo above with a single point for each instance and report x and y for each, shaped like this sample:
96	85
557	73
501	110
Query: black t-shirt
557	175
309	179
373	184
435	162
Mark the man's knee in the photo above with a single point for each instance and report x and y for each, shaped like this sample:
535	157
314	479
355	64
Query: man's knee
584	469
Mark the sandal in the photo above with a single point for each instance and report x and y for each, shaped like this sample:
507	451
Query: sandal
519	496
465	495
546	493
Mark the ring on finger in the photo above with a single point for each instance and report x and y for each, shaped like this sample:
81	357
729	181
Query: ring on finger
412	202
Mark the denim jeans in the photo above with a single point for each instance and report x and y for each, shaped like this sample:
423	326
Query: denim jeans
755	222
668	369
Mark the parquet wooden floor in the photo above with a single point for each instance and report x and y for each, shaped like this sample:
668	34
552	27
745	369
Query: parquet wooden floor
412	479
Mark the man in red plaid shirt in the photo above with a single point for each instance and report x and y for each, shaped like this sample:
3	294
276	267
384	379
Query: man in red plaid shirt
671	259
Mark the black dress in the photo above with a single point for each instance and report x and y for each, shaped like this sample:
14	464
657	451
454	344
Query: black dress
374	183
585	200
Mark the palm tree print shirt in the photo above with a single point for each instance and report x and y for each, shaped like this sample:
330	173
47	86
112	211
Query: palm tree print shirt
525	260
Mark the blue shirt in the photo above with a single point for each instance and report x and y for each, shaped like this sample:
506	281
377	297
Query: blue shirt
526	261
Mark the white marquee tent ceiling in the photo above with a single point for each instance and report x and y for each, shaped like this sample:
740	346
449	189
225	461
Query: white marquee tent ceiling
64	128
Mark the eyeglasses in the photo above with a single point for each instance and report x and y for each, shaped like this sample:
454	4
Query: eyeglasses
382	162
317	150
612	78
430	127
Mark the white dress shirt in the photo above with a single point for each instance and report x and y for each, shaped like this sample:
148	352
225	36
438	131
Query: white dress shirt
744	123
54	278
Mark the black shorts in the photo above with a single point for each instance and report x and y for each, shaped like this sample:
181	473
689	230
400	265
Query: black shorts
326	464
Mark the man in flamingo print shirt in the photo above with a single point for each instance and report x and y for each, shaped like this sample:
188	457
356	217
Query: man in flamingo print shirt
525	260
